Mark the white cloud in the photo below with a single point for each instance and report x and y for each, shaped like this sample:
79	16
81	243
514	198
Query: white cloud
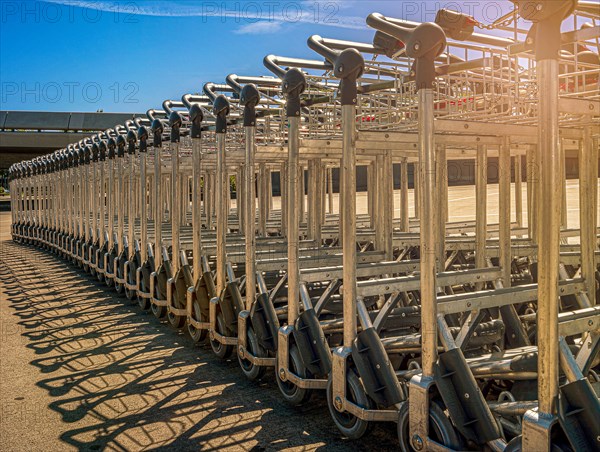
255	17
261	27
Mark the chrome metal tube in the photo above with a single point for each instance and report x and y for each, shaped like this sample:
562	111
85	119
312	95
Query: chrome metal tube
158	207
197	206
110	199
404	217
504	211
249	217
294	217
428	205
348	216
102	185
222	205
549	214
143	213
587	186
121	204
480	206
518	190
330	189
175	207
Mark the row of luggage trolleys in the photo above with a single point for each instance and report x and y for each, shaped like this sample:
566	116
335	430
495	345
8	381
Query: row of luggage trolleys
468	335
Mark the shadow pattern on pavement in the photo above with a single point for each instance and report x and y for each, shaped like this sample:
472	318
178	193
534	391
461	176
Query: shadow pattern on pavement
122	380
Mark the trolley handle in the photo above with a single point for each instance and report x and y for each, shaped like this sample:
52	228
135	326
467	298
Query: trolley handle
249	99
155	114
279	65
175	122
221	108
142	135
121	146
236	82
170	105
190	99
293	85
129	125
131	141
348	65
140	121
196	118
157	128
212	90
111	145
424	43
547	18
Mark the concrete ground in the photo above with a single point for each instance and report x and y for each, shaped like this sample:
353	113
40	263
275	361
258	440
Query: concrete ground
81	368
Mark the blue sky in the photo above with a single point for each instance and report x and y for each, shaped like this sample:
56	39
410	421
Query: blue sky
128	56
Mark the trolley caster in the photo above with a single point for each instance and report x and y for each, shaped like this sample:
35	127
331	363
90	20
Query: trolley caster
516	445
291	393
159	311
176	321
144	303
252	371
197	334
441	429
130	294
349	425
221	350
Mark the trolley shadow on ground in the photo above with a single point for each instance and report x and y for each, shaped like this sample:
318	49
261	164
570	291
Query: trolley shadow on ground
122	380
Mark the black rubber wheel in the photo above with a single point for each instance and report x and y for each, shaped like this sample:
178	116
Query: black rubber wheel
159	311
291	393
197	334
251	371
176	321
441	429
109	269
349	425
221	350
516	445
131	294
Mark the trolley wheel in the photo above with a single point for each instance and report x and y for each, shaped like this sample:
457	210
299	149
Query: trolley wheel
197	334
516	445
143	303
100	277
130	294
118	286
291	393
221	350
251	371
176	321
349	425
159	311
441	429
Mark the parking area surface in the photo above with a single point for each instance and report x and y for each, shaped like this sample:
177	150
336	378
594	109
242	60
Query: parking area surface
82	368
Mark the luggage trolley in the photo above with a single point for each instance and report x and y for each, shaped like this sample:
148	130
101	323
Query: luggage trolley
126	216
133	257
449	358
301	364
162	263
353	422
